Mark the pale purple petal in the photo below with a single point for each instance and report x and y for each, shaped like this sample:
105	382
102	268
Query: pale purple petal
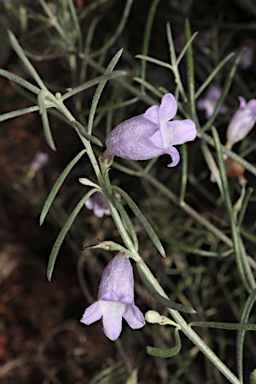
168	108
109	296
251	105
146	136
40	160
213	92
152	114
92	313
134	317
156	139
130	139
242	121
112	318
180	131
209	102
247	57
98	204
174	155
206	105
117	277
89	203
116	293
242	102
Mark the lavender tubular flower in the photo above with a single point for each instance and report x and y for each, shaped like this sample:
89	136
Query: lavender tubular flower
208	103
151	134
115	299
242	122
40	160
98	204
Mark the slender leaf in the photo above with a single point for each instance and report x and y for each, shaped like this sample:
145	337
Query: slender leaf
100	88
158	297
19	112
213	74
150	231
91	83
110	42
241	334
221	325
224	92
117	204
82	131
61	236
190	74
16	46
167	353
11	76
42	110
252	379
57	186
243	266
146	37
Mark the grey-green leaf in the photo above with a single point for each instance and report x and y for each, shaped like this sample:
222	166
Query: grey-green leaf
158	297
57	186
150	231
61	236
166	353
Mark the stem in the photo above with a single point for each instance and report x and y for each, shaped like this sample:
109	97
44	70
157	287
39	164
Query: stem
189	332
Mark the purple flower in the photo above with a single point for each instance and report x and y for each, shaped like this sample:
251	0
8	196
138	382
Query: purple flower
208	103
98	204
242	122
151	134
39	161
115	299
246	58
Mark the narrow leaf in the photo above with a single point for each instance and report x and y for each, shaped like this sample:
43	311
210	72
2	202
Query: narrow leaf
64	231
91	83
241	334
47	131
57	186
19	112
221	325
150	231
117	204
11	76
166	353
82	131
243	266
158	297
16	46
100	88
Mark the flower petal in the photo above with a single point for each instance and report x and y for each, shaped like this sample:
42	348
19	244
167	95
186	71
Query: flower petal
134	317
240	125
112	318
168	108
242	101
130	139
213	92
174	155
117	277
156	139
92	313
152	114
251	105
180	131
